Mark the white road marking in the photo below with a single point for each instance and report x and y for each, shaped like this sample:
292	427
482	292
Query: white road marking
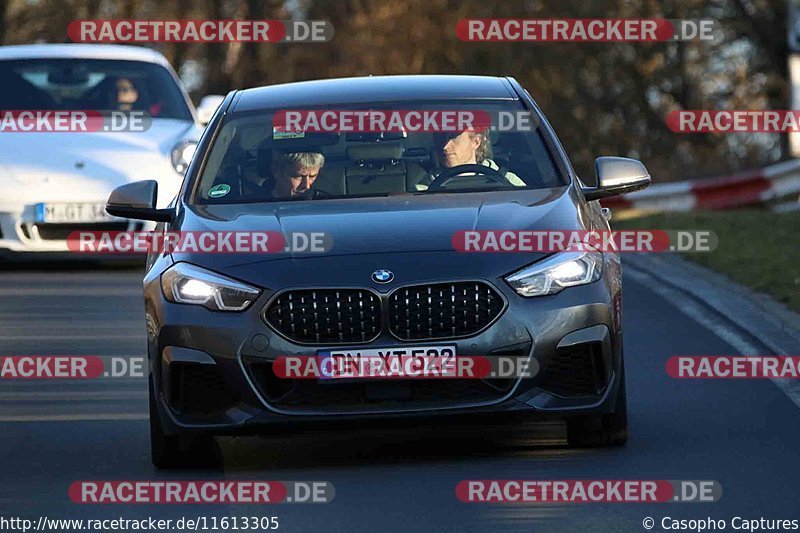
47	396
105	336
77	417
71	291
721	328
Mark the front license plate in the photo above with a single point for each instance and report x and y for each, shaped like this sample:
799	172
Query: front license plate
77	212
375	363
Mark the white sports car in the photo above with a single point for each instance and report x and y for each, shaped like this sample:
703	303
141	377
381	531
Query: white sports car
55	183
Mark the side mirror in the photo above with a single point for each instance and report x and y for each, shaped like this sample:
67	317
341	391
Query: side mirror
208	105
617	175
137	200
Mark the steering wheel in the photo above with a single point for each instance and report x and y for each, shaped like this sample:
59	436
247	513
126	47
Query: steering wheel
444	176
313	194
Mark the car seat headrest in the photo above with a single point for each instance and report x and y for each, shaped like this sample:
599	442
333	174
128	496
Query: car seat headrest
375	152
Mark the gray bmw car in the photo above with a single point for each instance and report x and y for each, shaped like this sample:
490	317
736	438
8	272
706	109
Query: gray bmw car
386	276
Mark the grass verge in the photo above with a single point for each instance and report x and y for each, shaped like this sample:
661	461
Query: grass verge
759	249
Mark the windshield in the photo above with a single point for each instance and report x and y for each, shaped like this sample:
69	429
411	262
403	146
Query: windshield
91	85
256	159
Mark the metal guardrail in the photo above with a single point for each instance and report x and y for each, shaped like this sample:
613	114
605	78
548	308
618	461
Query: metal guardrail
766	185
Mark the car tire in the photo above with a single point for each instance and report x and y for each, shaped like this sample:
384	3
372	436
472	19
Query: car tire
179	451
609	429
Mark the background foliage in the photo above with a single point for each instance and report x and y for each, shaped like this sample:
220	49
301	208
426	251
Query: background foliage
602	98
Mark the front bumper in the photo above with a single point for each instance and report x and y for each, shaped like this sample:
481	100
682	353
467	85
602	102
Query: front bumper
21	233
205	365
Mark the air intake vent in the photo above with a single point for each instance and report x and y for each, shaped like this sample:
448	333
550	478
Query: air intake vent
575	371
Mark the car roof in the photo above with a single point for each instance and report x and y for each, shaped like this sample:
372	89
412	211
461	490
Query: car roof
375	89
82	51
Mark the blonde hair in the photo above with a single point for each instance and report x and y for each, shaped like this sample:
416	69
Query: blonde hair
484	151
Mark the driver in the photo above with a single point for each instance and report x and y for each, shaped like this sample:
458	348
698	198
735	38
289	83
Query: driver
469	148
294	173
126	94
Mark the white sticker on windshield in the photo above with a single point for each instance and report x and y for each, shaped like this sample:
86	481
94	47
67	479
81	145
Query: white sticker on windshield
282	134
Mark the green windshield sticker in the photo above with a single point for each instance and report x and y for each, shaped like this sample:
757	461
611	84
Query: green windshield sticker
220	190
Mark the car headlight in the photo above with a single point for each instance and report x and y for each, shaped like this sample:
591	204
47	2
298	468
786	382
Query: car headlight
182	155
557	272
189	284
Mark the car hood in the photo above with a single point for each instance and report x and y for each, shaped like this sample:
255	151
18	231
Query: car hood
87	166
382	231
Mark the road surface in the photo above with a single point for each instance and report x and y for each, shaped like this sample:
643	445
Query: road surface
743	434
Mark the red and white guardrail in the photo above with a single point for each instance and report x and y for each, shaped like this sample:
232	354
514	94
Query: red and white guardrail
742	189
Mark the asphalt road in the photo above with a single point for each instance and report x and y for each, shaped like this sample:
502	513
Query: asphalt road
743	433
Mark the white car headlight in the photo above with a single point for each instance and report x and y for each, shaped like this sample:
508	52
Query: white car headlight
557	272
182	155
189	284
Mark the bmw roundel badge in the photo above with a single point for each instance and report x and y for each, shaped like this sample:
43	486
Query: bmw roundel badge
382	276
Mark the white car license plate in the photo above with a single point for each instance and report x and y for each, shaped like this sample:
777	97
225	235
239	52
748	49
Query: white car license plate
65	213
359	363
